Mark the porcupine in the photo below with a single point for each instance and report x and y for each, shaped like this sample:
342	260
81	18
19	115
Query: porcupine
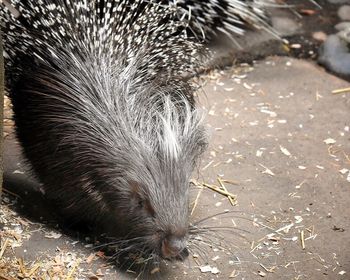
104	112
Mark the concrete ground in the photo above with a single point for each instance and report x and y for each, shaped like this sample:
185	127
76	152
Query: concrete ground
280	139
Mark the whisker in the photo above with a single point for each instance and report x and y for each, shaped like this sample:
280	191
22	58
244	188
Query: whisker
201	252
117	242
220	214
222	228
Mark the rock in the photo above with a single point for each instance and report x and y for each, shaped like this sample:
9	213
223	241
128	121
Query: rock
284	26
335	56
342	25
345	35
344	12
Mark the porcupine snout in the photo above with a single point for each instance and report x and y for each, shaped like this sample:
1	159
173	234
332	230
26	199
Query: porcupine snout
174	247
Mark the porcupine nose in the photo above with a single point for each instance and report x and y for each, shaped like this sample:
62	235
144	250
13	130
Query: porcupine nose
174	248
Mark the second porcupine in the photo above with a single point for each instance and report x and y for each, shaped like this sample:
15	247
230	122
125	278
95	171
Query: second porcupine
104	113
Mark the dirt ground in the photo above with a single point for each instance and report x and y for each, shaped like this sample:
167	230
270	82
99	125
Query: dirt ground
279	141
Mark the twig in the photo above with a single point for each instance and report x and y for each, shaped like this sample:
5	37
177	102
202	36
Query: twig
229	182
205	167
5	277
21	266
70	274
233	203
196	201
267	269
341	90
214	188
11	193
302	239
35	268
346	156
4	247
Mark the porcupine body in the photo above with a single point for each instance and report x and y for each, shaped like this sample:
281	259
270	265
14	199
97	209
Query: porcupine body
104	113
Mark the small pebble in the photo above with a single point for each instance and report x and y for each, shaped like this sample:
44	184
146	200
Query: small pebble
319	36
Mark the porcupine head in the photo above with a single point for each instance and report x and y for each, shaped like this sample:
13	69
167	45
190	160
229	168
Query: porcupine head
105	116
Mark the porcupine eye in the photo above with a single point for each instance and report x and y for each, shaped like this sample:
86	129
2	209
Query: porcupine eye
142	203
146	205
